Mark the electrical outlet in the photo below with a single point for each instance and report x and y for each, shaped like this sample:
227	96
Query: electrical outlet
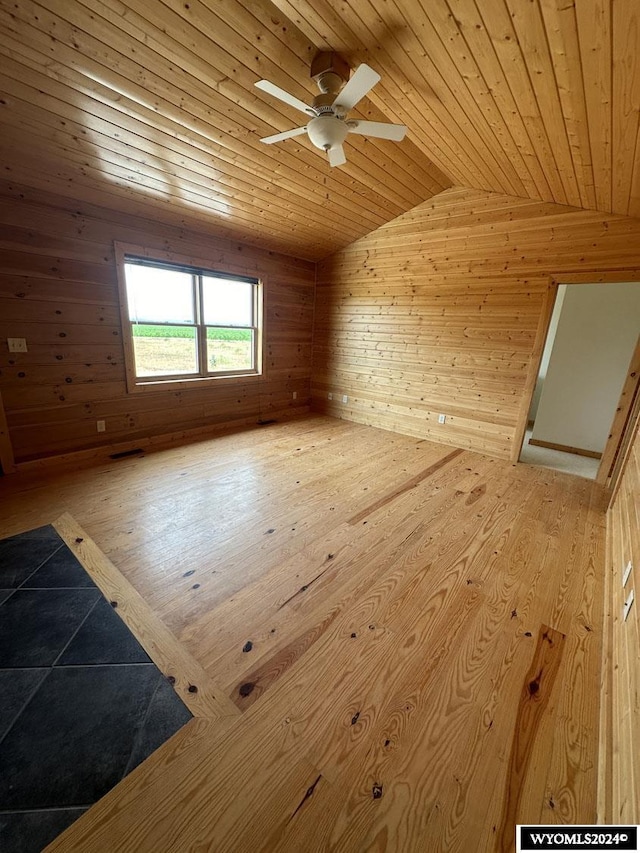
627	606
442	419
101	426
345	398
627	572
17	344
329	396
295	395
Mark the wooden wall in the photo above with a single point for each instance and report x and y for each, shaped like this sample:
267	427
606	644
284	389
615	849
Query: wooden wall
58	290
443	311
619	800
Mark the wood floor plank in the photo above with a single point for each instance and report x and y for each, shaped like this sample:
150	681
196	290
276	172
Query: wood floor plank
405	487
573	774
538	686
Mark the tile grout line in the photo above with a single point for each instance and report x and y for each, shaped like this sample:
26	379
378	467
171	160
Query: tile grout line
73	636
44	678
79	666
26	702
40	588
46	809
13	591
37	569
50	667
143	722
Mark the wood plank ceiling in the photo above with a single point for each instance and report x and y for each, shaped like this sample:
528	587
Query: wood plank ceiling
150	107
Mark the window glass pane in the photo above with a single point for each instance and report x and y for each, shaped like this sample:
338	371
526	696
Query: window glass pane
229	349
159	295
164	350
227	303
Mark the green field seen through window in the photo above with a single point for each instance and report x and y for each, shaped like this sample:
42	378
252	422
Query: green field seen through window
142	331
171	350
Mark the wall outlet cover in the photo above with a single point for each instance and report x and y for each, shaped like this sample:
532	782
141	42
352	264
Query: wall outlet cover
442	419
17	344
627	572
627	606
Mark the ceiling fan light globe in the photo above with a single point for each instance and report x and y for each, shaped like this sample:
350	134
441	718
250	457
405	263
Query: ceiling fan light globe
327	132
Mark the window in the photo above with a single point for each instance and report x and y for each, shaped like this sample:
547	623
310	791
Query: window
187	322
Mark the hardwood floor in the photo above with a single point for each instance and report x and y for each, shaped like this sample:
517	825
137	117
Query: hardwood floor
411	635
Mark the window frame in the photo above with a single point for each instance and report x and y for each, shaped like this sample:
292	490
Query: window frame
125	252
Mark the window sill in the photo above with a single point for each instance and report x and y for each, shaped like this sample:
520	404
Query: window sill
146	386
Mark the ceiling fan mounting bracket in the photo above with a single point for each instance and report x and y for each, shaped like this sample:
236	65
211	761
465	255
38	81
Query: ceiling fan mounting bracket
330	71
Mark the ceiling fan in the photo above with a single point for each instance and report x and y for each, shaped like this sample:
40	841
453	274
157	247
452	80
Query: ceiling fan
329	124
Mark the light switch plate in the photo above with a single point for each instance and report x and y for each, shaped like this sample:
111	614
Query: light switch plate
17	344
627	572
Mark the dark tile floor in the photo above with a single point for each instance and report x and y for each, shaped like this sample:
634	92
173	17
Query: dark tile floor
81	703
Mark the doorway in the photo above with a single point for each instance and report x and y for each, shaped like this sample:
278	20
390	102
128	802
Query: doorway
590	342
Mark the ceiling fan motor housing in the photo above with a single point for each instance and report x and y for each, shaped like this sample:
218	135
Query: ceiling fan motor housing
327	131
324	104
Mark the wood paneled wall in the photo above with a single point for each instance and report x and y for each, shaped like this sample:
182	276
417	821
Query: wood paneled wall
619	800
443	311
58	290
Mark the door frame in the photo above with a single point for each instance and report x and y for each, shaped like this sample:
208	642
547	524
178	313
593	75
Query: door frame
623	419
548	302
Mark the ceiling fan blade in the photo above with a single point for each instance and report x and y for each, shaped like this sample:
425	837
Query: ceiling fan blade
336	156
363	80
287	134
279	93
379	129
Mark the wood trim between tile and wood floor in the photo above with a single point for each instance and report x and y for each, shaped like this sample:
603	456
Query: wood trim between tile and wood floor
198	692
389	660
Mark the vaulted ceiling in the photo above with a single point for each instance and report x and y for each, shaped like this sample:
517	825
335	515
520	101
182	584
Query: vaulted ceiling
149	106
